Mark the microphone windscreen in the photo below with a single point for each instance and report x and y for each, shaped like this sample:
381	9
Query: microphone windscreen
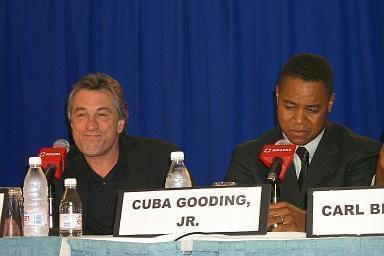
54	156
283	142
61	143
282	149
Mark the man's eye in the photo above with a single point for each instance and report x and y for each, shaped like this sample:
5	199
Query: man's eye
80	115
289	107
313	110
103	115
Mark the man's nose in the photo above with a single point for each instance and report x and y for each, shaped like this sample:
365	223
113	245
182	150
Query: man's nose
299	116
91	123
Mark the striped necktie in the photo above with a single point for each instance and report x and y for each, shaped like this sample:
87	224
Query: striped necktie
303	154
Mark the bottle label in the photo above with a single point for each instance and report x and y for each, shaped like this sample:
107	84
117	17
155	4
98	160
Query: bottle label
71	221
35	218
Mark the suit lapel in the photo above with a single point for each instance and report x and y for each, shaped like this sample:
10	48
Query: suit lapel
290	186
323	162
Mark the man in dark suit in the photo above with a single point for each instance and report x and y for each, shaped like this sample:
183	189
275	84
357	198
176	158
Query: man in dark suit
104	159
379	179
328	154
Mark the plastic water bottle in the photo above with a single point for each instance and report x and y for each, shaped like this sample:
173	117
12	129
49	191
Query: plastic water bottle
35	191
70	211
178	175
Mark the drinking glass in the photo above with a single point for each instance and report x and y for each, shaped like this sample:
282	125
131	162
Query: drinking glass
13	213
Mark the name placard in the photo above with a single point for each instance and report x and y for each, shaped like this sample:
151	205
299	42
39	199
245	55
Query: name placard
2	195
208	210
345	211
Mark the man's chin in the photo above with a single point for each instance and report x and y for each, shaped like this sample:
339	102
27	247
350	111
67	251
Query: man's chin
91	154
299	140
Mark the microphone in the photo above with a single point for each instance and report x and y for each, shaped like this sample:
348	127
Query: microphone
53	160
278	158
61	143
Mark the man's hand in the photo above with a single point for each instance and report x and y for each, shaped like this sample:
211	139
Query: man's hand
379	180
287	217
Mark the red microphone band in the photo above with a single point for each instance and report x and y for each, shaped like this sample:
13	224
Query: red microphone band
285	152
55	157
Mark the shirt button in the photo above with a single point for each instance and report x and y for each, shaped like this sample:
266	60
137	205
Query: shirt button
103	183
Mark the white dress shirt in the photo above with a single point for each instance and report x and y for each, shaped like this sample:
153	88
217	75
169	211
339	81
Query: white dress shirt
311	147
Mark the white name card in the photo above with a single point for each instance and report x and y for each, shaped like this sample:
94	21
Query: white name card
210	210
2	193
354	211
1	203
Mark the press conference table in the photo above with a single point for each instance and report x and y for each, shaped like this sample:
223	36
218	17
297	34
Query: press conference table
270	244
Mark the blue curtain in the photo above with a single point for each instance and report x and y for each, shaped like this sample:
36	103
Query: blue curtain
199	73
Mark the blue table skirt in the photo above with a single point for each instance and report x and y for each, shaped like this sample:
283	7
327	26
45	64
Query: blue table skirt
99	247
351	246
30	246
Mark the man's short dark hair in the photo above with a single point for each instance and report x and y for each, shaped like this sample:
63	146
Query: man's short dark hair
97	82
308	67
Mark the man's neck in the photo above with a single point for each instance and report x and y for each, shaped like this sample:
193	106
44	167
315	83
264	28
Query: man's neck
103	165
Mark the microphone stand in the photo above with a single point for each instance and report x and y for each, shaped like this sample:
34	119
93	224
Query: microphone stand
49	173
50	201
272	179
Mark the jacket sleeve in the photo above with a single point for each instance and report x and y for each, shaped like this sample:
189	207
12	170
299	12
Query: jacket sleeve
242	170
362	166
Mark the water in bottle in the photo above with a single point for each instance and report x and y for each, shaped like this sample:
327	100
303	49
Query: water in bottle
178	175
70	211
35	192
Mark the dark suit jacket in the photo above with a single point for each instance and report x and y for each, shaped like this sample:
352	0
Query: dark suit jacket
143	164
342	159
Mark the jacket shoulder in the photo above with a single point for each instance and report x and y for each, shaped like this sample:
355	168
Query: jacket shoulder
349	139
255	145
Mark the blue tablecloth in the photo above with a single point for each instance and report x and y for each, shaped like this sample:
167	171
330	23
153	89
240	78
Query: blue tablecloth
97	247
30	246
351	246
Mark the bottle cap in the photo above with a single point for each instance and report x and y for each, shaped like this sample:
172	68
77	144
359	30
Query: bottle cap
177	155
34	160
70	181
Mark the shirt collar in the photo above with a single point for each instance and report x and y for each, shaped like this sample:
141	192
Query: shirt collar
312	145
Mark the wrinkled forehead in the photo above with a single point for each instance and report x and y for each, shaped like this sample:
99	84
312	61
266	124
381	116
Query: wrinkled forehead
92	100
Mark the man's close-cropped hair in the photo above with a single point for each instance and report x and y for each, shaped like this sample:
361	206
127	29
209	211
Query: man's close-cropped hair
97	82
308	67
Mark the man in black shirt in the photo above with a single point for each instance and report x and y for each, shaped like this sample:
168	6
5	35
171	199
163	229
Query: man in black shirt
105	159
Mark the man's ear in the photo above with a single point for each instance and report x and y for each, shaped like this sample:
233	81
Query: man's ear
120	125
277	94
331	101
